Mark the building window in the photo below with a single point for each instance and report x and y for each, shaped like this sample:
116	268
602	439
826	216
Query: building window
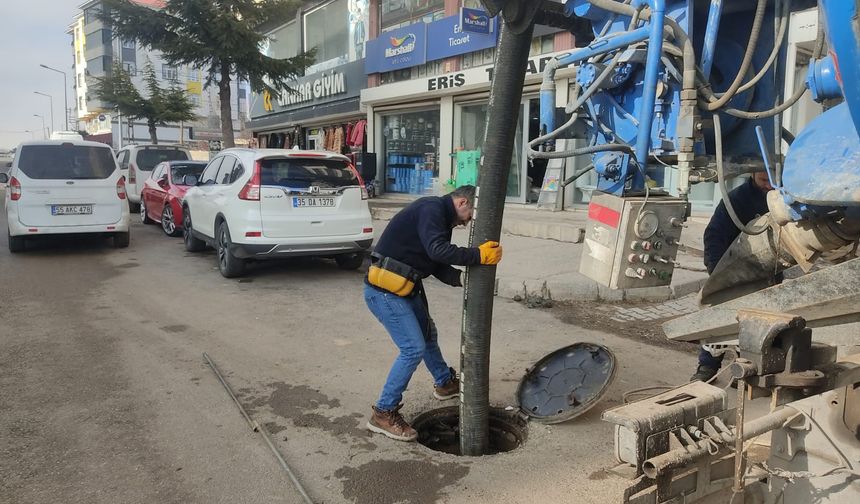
195	99
243	93
78	57
284	42
394	13
91	15
80	80
130	68
193	75
326	29
542	45
128	44
169	72
81	102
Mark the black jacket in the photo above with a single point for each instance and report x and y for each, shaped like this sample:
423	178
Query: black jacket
749	202
420	236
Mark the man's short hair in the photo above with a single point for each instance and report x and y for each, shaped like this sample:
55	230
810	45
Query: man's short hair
466	191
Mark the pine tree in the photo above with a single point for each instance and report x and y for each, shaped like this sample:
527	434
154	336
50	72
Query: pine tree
221	37
158	107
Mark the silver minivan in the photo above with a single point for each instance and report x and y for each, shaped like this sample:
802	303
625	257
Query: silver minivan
137	161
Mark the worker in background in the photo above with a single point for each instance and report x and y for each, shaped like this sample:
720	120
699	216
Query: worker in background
415	245
749	202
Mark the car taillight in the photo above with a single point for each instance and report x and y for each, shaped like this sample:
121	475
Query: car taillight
251	190
120	188
132	173
364	194
15	189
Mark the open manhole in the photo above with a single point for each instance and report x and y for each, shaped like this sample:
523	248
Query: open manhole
439	430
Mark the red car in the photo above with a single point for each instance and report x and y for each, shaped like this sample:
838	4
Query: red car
161	197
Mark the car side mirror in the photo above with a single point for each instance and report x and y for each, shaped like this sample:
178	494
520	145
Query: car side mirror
4	179
163	182
191	180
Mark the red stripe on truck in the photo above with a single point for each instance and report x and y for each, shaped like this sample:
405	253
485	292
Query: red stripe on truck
604	215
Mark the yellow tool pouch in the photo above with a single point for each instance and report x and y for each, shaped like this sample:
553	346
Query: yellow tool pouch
392	276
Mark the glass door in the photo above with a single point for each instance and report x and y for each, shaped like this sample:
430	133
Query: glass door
470	122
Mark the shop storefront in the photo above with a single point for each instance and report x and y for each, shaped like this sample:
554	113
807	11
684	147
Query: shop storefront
453	107
322	113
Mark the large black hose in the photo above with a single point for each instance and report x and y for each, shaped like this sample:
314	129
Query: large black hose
505	96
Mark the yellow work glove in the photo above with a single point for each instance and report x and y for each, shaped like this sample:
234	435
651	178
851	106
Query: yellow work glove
491	252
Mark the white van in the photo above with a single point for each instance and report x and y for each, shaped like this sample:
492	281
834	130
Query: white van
137	161
65	187
66	135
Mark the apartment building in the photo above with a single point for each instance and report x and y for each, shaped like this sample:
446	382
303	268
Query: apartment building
96	51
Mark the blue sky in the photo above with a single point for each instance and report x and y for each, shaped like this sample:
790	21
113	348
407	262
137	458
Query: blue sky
33	32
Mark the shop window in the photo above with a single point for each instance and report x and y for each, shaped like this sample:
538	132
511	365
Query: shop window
128	44
327	30
284	42
469	143
395	13
411	151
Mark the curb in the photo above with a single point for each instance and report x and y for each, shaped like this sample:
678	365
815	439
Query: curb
589	290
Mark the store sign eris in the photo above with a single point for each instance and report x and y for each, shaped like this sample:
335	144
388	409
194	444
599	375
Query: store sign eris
396	49
460	79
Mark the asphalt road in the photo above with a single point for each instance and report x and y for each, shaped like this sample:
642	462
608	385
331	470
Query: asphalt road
105	397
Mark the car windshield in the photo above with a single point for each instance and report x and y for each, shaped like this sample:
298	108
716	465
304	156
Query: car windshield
303	173
66	161
178	171
149	157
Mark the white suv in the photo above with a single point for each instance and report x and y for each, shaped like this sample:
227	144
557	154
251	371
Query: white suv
62	187
137	161
268	203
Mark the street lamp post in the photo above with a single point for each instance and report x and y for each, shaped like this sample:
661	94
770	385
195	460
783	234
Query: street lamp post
65	92
51	98
43	124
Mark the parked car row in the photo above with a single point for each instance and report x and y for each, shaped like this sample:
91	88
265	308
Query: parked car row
248	204
254	204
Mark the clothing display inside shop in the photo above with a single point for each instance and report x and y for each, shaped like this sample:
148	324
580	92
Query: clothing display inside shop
341	138
282	139
411	151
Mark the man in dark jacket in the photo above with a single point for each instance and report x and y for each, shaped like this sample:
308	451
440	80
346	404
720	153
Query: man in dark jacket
749	201
415	245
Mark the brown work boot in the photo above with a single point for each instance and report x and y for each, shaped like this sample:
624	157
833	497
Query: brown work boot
448	390
391	424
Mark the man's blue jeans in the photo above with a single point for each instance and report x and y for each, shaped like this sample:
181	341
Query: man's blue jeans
409	324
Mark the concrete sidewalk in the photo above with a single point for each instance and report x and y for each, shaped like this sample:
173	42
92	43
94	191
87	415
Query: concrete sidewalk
542	251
